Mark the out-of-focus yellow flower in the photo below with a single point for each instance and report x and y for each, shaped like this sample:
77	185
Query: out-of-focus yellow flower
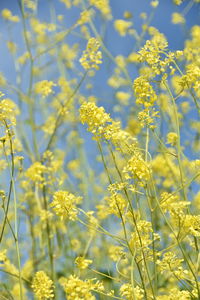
44	87
7	15
177	18
103	6
172	138
82	263
177	2
154	3
85	17
123	97
122	26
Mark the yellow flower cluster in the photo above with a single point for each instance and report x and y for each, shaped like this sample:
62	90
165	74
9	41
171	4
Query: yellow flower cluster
75	288
154	3
91	57
8	111
192	46
177	18
103	6
44	88
192	78
155	53
172	138
171	203
175	294
3	256
137	168
102	126
116	204
141	238
36	172
172	265
42	286
40	29
115	252
177	2
130	292
190	225
23	58
95	117
146	117
30	4
144	92
64	204
85	17
138	228
82	263
122	26
7	15
123	97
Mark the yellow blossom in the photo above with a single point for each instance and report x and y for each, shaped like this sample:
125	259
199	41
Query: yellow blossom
42	286
122	26
172	138
8	111
177	18
7	15
144	92
154	3
130	292
76	288
82	263
91	57
44	87
103	6
85	17
171	264
36	172
177	2
137	168
64	204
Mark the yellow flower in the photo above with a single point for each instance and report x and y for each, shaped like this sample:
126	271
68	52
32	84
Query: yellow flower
12	47
154	3
171	264
115	252
91	57
177	2
42	286
64	204
103	6
7	15
8	111
35	172
44	87
76	288
130	292
82	263
123	97
85	17
177	18
144	92
95	117
3	256
172	138
122	26
137	168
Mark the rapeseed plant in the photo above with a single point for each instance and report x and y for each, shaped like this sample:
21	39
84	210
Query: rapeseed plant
99	144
